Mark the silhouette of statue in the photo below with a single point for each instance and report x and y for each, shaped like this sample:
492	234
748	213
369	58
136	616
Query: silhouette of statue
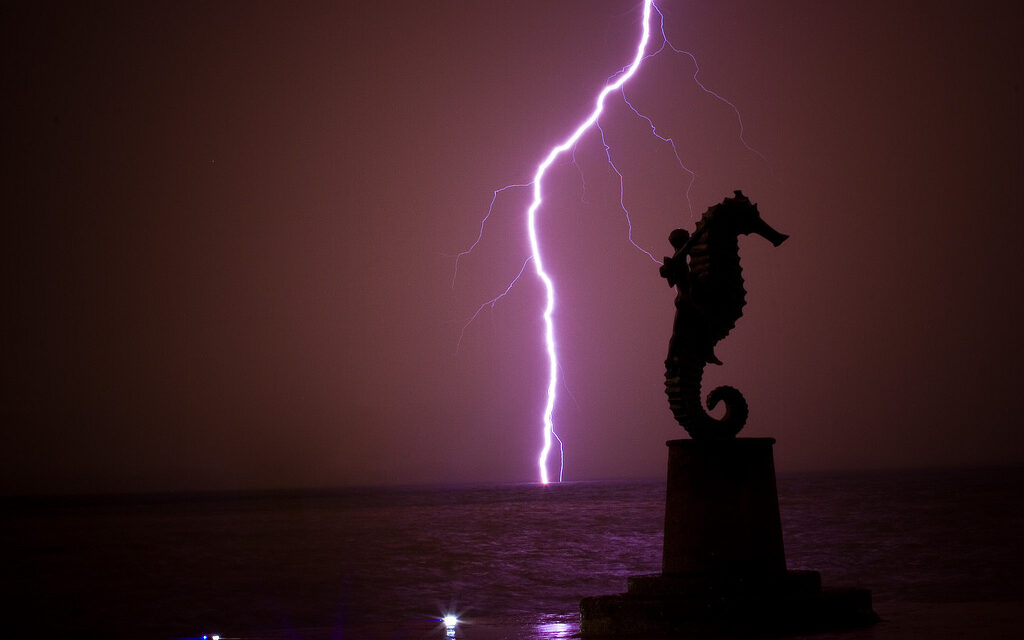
705	270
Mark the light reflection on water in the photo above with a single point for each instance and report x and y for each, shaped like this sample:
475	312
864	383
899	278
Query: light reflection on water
538	627
555	630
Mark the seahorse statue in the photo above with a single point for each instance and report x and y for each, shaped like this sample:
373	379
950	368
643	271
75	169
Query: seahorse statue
705	270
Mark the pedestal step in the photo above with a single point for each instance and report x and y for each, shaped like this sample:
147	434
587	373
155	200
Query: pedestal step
698	585
673	606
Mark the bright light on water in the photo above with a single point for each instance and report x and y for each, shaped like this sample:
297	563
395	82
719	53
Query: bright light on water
450	620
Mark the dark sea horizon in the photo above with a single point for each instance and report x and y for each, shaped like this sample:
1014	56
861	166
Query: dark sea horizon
940	550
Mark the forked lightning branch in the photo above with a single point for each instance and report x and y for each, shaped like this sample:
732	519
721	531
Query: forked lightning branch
616	83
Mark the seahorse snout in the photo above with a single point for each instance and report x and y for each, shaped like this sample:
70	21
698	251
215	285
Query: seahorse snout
766	231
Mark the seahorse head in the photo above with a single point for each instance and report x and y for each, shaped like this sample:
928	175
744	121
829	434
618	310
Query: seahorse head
741	217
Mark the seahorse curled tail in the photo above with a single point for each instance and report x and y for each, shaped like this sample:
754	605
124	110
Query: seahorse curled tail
683	377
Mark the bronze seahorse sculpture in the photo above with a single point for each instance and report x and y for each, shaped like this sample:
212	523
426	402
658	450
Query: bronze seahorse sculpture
705	270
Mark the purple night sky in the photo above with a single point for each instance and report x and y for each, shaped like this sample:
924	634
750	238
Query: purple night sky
230	231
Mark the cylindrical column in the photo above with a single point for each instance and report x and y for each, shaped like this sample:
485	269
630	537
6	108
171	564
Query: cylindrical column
722	509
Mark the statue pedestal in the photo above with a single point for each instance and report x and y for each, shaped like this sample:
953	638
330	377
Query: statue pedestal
723	565
722	509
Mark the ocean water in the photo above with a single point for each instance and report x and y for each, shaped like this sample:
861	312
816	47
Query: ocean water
511	561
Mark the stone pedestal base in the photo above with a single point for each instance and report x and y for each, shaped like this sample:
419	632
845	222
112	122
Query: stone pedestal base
659	605
723	567
722	509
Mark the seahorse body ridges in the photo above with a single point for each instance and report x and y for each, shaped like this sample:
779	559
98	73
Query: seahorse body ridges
710	298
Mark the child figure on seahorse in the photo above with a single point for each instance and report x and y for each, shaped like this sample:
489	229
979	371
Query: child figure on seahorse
690	331
705	270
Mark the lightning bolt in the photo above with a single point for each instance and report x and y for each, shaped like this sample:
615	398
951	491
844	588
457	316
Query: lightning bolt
615	83
538	259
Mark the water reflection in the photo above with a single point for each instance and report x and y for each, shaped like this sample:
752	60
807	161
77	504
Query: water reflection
521	627
555	630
